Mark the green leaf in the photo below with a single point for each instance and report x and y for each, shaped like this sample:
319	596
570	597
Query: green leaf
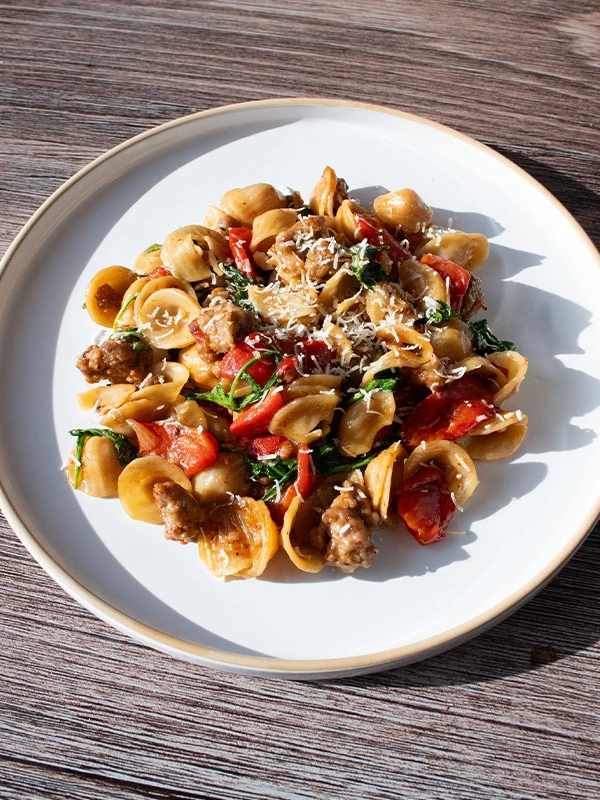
327	461
364	264
385	381
152	249
484	340
438	312
130	300
238	285
126	452
281	470
256	393
132	335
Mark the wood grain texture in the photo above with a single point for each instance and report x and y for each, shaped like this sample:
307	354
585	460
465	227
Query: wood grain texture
86	713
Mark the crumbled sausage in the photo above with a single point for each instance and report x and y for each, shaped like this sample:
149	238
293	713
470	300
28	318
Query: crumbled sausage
223	322
107	298
180	511
344	532
473	300
115	361
307	249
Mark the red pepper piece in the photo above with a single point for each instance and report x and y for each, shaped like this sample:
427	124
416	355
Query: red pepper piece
306	480
426	506
239	356
193	449
255	419
458	278
239	244
314	354
379	237
450	413
262	446
159	272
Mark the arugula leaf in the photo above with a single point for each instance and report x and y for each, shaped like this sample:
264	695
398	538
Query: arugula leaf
281	470
364	264
132	335
126	452
130	300
384	381
327	461
437	312
484	340
239	284
152	249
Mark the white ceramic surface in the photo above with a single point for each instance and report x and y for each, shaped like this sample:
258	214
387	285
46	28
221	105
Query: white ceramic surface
527	516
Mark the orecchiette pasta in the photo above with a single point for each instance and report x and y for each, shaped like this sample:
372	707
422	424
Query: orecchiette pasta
296	373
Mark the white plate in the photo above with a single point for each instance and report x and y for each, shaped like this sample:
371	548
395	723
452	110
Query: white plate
527	516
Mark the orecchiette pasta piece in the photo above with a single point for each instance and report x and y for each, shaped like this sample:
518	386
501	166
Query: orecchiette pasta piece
339	287
420	281
125	318
104	294
266	227
328	194
217	425
498	437
312	384
137	481
217	220
281	305
189	413
470	250
452	340
153	285
248	203
363	420
191	252
303	420
412	348
238	539
403	208
151	402
340	342
389	360
514	366
100	468
203	370
453	462
345	220
383	477
149	260
165	316
103	398
226	478
300	519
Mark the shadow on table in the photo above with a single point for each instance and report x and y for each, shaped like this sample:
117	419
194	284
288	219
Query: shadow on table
564	618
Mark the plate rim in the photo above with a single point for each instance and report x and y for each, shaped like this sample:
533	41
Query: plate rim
270	666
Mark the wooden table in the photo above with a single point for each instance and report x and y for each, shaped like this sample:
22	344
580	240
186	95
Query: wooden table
86	713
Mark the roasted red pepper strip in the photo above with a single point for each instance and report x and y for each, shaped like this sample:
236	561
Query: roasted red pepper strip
379	237
239	356
452	412
193	449
426	506
305	482
239	244
255	419
458	278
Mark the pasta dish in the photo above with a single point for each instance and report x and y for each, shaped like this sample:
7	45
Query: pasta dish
293	374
